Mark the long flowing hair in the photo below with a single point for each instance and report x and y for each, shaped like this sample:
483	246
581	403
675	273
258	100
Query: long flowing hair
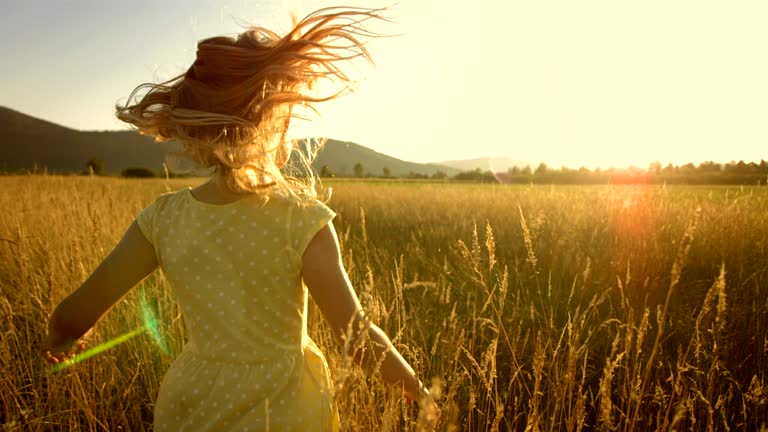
231	109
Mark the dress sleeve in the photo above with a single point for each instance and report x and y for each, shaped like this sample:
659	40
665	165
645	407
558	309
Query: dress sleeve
146	221
306	222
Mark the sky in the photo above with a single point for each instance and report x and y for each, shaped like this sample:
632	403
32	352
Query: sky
574	83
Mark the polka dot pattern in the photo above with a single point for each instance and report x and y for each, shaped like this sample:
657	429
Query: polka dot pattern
235	272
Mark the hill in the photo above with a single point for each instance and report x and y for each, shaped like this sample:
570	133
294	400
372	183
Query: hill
341	157
27	141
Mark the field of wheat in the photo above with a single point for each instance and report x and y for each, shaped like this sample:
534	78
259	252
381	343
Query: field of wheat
526	307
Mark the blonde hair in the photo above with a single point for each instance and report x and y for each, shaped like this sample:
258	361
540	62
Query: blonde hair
232	107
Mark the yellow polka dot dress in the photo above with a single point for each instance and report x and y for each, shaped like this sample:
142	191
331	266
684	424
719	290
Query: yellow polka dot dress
235	270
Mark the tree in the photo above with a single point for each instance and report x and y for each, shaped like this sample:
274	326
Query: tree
137	173
325	171
415	175
709	167
541	169
741	167
386	172
476	175
95	166
654	168
358	169
688	168
439	175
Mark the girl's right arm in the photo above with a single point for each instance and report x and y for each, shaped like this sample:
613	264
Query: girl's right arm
327	281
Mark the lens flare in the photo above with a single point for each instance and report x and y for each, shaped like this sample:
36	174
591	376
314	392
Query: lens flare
98	349
150	313
494	169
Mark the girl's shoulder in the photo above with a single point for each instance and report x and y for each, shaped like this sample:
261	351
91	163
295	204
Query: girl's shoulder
165	203
296	203
299	207
170	198
305	219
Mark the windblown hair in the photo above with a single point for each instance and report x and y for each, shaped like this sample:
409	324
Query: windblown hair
232	107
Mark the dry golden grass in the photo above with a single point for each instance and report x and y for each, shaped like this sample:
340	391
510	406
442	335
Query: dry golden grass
531	308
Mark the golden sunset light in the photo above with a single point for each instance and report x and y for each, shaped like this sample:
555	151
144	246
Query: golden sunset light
432	215
592	83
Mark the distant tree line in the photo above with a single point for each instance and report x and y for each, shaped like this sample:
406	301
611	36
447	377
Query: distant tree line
358	171
705	173
95	166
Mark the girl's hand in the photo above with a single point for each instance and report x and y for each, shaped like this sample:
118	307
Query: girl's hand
429	413
57	353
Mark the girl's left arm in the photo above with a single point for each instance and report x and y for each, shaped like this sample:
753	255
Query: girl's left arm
131	261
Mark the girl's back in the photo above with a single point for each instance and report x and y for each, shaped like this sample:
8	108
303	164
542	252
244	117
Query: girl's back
241	270
236	272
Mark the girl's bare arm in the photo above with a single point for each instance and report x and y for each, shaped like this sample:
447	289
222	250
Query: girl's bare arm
131	260
327	281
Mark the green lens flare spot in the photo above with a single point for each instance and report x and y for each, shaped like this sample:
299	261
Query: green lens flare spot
150	317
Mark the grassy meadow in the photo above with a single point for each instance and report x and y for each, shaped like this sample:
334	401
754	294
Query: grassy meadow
539	308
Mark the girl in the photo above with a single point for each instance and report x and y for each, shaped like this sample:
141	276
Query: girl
242	250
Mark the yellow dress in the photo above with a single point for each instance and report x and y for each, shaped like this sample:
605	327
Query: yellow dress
235	270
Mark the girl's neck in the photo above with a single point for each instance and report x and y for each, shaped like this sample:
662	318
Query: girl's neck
215	191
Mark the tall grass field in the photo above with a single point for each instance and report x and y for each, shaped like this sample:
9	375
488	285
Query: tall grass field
536	308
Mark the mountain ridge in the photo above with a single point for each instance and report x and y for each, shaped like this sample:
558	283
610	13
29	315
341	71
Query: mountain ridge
27	141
